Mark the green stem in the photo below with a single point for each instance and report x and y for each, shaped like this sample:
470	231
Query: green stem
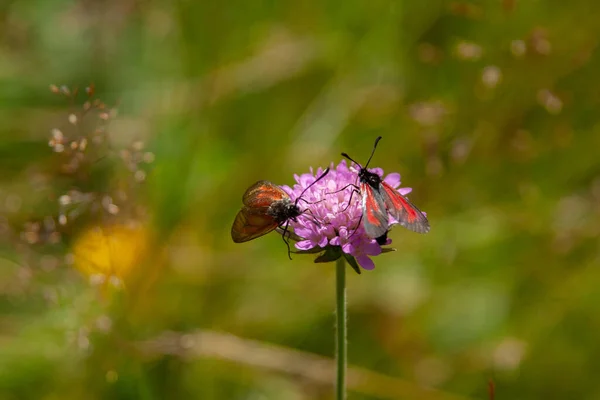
340	334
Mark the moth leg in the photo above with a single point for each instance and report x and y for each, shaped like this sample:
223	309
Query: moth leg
287	243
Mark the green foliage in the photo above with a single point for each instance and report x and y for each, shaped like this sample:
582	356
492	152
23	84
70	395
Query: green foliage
487	109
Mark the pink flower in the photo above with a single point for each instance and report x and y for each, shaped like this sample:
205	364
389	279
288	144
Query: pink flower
332	220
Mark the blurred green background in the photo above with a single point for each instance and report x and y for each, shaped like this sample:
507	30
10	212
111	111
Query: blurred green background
487	109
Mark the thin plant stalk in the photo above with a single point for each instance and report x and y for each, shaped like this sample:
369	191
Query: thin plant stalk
340	334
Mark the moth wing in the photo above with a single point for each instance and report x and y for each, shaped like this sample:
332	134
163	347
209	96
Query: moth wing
262	194
375	217
251	223
405	212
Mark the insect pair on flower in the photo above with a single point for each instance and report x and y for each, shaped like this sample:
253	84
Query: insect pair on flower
332	217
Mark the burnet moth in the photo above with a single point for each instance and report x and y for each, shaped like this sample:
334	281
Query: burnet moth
267	207
380	199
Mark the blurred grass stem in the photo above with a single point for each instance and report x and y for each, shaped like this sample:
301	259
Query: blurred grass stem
340	334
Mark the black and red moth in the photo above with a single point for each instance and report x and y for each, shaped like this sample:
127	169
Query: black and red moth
380	199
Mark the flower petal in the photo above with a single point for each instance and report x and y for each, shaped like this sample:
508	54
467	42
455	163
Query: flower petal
323	242
392	179
365	262
288	190
404	191
305	245
378	171
348	248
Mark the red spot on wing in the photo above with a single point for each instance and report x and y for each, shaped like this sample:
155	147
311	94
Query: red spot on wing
400	203
375	219
372	207
407	214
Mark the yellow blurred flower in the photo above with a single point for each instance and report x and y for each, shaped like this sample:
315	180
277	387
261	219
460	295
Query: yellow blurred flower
111	254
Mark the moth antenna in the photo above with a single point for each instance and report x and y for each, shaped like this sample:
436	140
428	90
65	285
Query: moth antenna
309	186
350	158
373	152
312	202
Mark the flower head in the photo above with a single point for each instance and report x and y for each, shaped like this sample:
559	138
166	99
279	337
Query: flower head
333	215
